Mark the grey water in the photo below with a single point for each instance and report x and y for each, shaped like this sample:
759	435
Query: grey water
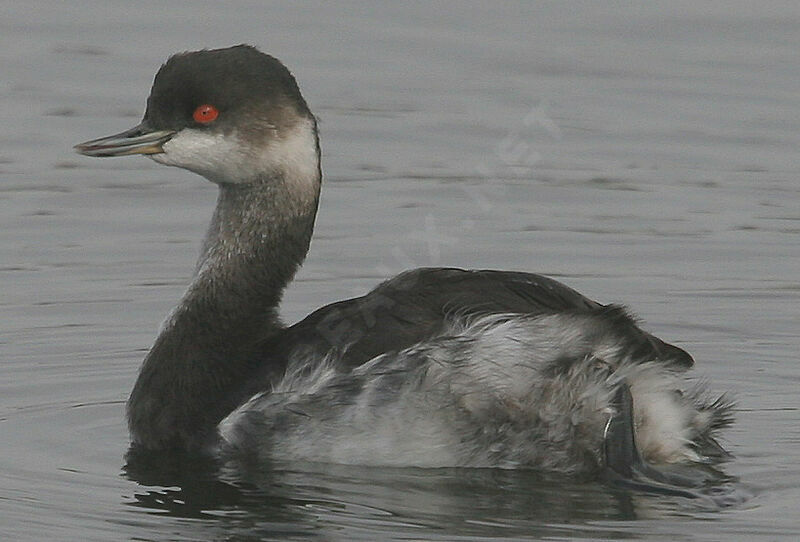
644	154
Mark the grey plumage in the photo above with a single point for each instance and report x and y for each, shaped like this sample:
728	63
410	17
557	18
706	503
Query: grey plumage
436	367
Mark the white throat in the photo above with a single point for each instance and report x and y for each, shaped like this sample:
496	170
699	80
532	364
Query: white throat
291	154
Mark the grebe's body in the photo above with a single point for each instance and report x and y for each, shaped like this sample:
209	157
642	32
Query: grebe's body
436	367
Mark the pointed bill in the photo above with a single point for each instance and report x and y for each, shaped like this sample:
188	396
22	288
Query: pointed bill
140	139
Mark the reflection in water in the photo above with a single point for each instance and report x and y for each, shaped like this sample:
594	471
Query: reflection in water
672	186
295	500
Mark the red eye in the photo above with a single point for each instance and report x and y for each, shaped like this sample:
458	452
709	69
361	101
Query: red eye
205	113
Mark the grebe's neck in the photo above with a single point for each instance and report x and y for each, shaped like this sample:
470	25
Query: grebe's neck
258	238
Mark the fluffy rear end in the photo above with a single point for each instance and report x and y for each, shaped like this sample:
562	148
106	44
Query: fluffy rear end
498	391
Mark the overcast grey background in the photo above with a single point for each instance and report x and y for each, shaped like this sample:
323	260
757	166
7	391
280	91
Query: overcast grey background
643	154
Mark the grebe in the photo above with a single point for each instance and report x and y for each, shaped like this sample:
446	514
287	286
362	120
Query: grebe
435	367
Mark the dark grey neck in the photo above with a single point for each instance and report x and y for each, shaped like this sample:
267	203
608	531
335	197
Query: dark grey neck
257	239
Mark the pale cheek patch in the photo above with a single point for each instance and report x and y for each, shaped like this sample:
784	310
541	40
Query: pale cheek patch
216	157
294	152
230	159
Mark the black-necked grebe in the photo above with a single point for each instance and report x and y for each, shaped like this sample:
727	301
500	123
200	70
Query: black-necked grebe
435	367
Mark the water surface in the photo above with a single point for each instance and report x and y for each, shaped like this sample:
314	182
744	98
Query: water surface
644	155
